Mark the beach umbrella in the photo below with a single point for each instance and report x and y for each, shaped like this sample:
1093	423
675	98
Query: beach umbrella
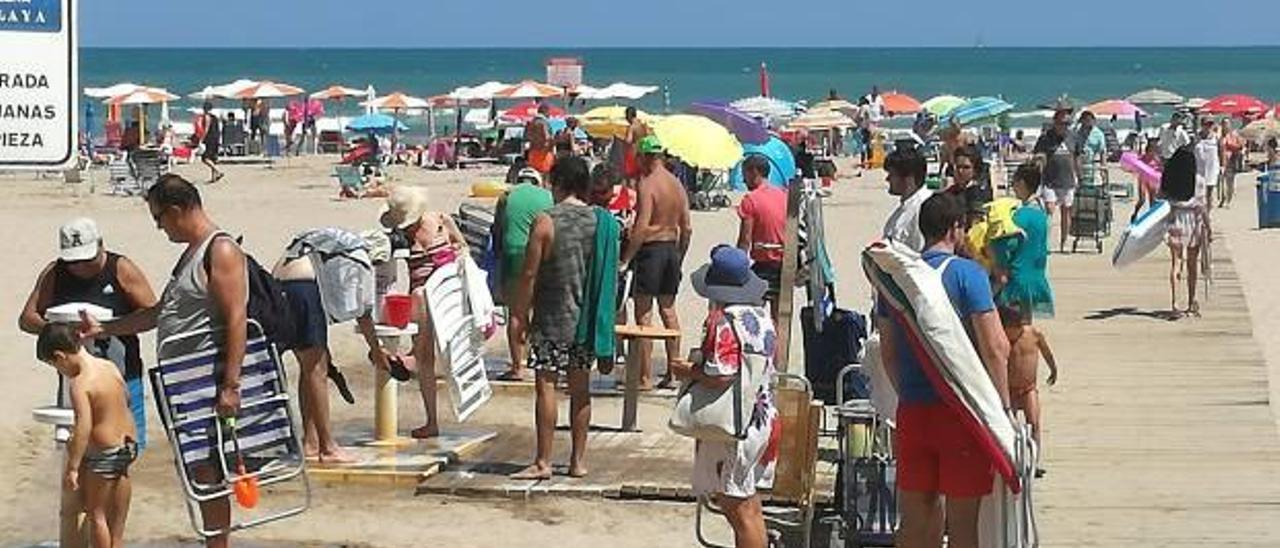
529	89
115	90
1261	130
268	90
609	121
623	90
224	91
1155	96
1235	105
143	96
1115	107
819	119
376	123
741	125
485	91
764	80
397	101
979	109
525	111
900	103
334	93
1195	103
839	105
782	163
771	109
698	141
1031	114
942	104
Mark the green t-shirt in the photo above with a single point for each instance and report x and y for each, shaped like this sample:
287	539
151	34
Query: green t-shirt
524	202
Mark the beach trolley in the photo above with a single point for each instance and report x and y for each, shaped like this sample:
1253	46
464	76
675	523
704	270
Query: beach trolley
263	446
867	469
789	506
1091	216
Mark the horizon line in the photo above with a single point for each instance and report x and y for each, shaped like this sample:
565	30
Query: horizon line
679	47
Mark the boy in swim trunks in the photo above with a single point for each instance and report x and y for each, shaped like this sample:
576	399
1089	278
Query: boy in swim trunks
1026	345
102	445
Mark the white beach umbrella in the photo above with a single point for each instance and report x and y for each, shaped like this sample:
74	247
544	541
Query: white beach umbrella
768	108
143	96
623	90
115	90
224	91
1155	96
585	92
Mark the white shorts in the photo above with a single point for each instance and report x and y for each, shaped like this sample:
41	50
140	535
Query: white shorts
1055	196
733	469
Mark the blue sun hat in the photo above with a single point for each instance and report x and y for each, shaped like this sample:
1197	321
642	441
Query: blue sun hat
728	278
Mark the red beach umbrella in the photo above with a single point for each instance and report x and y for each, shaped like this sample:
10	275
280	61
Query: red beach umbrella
528	109
900	103
1235	105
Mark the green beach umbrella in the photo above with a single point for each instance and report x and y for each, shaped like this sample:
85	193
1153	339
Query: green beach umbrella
939	106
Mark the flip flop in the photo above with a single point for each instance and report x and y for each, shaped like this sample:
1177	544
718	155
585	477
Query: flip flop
397	369
510	376
340	381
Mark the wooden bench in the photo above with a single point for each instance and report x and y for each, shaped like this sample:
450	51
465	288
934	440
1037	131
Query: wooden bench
631	393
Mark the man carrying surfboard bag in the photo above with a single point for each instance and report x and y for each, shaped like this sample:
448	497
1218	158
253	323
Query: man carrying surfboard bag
940	457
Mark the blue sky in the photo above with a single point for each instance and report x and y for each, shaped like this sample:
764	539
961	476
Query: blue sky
659	23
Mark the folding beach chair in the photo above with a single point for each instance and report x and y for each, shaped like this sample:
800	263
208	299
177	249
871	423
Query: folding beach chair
790	502
120	176
185	385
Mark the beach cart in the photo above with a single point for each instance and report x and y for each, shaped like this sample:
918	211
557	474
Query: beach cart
211	456
1091	216
866	468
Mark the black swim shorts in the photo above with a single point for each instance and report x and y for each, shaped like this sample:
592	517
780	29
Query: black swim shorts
657	269
308	313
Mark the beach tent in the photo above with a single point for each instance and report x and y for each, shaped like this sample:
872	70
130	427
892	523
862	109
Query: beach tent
1155	96
782	164
698	141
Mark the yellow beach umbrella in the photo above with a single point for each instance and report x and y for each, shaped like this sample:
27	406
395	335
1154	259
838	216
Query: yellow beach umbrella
609	121
698	141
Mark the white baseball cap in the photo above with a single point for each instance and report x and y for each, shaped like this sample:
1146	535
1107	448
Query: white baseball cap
78	240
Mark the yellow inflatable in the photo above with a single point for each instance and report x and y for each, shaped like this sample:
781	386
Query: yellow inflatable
995	225
488	189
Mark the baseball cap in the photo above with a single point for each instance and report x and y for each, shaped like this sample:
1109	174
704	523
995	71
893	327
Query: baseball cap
649	145
78	240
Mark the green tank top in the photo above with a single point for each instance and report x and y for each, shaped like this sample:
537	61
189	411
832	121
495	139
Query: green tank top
524	202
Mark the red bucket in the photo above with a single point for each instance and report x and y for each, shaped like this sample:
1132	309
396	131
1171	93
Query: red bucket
397	310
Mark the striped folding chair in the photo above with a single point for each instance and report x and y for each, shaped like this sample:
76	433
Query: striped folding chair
185	385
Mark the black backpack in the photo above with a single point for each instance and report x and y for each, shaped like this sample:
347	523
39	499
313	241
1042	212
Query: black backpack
268	304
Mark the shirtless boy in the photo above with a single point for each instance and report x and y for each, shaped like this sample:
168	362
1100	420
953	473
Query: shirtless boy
102	445
1026	345
655	249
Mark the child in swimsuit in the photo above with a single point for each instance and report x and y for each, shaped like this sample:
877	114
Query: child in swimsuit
102	445
1026	345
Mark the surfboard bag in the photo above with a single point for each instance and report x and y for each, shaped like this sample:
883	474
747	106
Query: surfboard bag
916	297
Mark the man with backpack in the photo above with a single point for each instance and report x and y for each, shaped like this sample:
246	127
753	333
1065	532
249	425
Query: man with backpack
209	292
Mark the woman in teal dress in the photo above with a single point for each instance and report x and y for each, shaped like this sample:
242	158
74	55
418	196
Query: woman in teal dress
1024	260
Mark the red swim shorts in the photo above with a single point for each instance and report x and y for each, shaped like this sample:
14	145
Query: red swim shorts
937	454
542	160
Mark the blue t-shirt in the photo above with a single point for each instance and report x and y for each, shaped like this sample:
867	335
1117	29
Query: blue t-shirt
968	287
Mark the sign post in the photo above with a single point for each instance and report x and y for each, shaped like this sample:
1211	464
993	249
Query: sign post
39	87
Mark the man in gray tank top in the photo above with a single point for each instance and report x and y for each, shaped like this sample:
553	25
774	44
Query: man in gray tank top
201	294
550	295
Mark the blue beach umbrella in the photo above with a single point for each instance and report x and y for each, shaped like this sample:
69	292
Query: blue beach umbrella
554	125
376	123
782	165
977	110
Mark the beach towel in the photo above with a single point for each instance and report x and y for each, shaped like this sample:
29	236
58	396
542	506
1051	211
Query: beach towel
996	224
915	295
595	327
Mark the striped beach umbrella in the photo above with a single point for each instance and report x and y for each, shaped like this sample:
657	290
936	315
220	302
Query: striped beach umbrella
1155	96
978	110
821	119
143	96
397	101
267	90
529	89
334	93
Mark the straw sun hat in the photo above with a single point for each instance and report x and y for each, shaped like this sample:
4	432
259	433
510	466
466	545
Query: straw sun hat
404	207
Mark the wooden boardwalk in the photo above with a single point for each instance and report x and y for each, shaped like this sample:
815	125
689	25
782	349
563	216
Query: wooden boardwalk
1159	433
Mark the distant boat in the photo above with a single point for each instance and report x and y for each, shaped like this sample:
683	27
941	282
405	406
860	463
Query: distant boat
979	42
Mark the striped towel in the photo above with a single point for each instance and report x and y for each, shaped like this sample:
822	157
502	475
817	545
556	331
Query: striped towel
917	298
188	386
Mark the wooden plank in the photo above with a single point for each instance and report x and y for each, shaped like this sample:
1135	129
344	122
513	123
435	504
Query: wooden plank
786	294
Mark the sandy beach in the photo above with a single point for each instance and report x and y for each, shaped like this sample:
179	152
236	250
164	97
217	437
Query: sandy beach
1108	367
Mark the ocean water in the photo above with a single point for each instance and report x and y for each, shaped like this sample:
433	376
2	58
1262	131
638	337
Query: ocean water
1024	76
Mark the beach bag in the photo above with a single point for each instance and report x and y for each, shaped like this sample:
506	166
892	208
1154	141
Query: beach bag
721	414
827	351
268	303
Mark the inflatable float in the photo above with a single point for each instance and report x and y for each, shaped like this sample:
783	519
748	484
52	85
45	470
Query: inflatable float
1148	176
915	296
1143	236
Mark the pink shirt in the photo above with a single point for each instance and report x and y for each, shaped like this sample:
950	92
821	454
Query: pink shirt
766	206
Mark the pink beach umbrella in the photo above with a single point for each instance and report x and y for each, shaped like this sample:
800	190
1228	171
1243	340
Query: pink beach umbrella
1115	107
